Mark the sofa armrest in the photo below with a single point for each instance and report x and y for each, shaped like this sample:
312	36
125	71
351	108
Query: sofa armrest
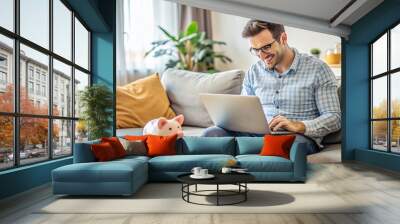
83	152
298	156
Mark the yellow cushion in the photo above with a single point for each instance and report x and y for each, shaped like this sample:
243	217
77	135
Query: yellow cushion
141	101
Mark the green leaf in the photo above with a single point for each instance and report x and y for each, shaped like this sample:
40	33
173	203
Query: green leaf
193	27
189	37
160	42
170	36
172	63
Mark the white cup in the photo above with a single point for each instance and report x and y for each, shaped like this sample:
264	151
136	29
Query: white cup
226	170
203	172
196	171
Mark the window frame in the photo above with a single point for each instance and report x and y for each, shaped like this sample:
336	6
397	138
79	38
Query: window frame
16	114
388	74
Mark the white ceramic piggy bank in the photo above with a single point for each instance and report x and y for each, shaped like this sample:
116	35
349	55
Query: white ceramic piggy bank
164	127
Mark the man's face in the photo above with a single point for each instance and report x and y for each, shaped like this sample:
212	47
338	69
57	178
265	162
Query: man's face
275	52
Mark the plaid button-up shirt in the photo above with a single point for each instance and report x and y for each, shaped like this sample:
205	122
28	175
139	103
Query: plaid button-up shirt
306	92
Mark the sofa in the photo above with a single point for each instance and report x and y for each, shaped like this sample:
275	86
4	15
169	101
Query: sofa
125	176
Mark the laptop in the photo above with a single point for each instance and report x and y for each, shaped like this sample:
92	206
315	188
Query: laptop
237	113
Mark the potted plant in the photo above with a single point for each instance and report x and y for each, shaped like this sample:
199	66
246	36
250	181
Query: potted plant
189	50
316	52
96	104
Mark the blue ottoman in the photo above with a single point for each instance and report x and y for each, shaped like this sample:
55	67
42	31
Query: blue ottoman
118	177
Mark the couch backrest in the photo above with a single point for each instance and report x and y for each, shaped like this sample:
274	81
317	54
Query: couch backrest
249	145
83	152
183	89
192	145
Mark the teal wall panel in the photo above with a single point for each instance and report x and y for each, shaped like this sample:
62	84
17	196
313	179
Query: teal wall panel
356	82
103	64
377	158
24	178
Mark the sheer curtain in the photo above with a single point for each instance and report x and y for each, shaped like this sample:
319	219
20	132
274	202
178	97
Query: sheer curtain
137	27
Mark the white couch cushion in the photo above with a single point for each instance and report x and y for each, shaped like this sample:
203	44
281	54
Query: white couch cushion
183	88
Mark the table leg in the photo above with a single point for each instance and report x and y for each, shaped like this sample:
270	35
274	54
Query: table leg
188	189
245	193
196	187
217	194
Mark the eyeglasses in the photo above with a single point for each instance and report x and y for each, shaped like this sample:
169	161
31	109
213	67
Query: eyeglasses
264	49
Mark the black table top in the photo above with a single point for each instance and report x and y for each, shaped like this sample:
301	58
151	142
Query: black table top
220	178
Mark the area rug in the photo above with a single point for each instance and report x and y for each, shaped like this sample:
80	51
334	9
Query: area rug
166	198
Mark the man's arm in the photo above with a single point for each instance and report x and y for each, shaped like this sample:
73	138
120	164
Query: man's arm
327	101
247	89
328	105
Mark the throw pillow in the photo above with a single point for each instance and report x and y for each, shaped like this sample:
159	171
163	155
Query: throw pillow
135	147
141	101
103	152
136	137
277	145
161	145
116	145
183	89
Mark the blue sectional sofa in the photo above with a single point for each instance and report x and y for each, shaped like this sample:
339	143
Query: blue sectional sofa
125	176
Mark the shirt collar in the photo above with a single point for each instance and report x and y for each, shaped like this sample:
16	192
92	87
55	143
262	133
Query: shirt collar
293	66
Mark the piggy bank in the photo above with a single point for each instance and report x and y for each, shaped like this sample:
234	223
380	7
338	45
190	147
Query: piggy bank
164	127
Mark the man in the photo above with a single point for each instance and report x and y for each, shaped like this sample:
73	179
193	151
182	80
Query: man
298	92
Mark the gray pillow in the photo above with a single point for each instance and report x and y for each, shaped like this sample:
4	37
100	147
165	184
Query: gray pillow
183	88
137	148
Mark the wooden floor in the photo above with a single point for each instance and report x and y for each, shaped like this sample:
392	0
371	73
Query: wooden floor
377	188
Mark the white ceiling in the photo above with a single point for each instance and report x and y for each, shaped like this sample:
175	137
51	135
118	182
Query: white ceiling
315	15
321	9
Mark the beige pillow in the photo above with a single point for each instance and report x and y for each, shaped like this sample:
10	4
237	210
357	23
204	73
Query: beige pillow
137	148
141	101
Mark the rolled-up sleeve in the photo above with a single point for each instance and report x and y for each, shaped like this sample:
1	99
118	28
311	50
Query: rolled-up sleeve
328	105
247	89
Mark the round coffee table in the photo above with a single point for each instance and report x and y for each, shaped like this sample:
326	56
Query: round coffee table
238	179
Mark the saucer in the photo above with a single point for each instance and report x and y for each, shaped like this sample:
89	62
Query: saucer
208	176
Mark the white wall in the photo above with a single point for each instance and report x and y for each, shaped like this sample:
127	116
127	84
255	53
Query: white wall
228	28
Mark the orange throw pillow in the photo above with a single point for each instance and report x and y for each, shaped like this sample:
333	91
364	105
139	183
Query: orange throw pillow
103	152
116	145
161	145
136	137
277	145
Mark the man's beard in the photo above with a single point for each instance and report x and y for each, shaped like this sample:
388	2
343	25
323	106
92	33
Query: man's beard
278	59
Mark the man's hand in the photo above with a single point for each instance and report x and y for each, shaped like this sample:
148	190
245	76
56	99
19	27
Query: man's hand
279	122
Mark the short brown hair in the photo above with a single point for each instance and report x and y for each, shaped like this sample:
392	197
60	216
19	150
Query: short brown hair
254	27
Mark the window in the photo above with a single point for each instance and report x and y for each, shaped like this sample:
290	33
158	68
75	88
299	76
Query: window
385	94
62	29
6	73
30	87
7	14
62	74
43	90
45	114
81	81
37	74
3	78
3	61
34	21
37	89
30	72
81	45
